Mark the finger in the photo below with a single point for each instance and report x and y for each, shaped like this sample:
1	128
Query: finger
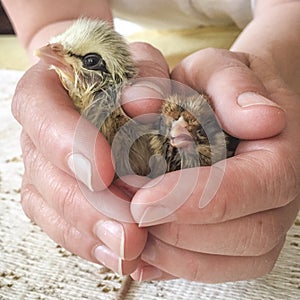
70	142
218	193
146	92
54	226
69	237
146	272
130	184
235	91
206	267
62	193
252	235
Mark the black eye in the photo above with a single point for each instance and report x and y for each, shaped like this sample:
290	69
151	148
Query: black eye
94	61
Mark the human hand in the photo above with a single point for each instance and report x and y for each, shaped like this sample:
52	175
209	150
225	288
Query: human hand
232	217
58	148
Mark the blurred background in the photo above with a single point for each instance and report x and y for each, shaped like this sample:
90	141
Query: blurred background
13	56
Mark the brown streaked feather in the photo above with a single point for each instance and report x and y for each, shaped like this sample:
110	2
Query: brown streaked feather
211	144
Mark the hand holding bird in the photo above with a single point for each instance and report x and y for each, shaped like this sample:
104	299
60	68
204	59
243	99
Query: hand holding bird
240	197
94	64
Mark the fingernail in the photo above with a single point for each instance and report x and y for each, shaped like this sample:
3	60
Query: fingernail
149	273
82	168
155	215
250	99
109	259
112	234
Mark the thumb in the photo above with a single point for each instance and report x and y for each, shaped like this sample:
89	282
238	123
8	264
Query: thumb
144	95
239	97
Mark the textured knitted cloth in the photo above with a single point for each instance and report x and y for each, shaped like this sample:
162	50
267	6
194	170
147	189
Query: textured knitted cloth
33	267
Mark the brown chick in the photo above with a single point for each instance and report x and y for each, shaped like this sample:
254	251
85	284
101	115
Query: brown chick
94	64
190	135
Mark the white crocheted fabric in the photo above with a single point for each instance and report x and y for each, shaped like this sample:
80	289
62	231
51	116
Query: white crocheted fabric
34	267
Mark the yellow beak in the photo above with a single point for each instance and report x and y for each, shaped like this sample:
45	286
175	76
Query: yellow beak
54	55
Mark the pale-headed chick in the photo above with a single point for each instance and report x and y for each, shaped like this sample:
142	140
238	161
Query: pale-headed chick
94	64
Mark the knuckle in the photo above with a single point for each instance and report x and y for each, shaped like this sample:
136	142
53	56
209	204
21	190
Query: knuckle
199	273
264	235
220	211
222	57
221	205
29	200
272	233
29	151
21	106
66	197
173	233
264	264
52	135
18	102
34	163
44	132
68	235
149	60
196	273
25	142
25	201
280	176
144	47
267	267
291	184
211	52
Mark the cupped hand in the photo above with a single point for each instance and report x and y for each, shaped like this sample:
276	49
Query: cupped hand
67	187
227	222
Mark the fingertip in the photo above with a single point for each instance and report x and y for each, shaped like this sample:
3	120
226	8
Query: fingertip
144	94
161	200
89	157
145	52
255	121
142	99
271	119
135	240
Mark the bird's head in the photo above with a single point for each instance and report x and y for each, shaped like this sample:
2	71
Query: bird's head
191	126
90	56
180	119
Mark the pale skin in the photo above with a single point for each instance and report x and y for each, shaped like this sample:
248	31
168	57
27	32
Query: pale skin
240	232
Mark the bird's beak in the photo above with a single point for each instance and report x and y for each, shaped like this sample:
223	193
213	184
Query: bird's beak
54	55
180	137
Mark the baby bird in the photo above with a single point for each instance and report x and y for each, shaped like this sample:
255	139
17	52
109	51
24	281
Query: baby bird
93	63
190	135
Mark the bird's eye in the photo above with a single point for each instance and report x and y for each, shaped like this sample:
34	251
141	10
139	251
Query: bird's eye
94	61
